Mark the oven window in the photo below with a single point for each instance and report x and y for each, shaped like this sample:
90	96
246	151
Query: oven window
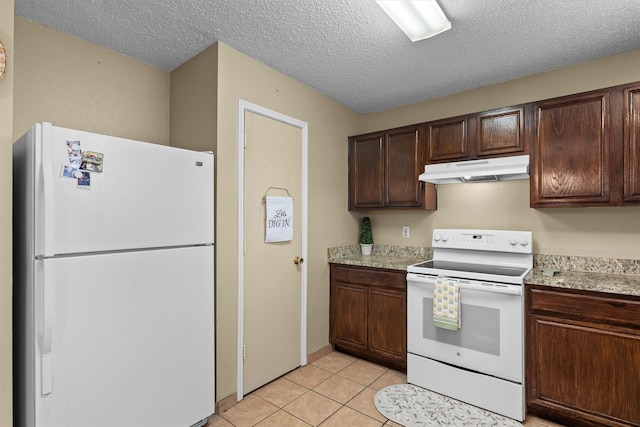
479	331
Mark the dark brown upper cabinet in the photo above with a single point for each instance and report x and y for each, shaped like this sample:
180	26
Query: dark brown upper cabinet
586	149
572	151
384	168
500	132
632	144
487	134
447	139
366	171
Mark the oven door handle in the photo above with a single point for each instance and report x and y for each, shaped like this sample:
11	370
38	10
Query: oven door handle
496	288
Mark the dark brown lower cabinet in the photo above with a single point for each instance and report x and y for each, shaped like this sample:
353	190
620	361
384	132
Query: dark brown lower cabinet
368	314
583	357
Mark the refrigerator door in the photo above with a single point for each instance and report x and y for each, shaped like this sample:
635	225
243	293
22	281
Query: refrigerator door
145	196
124	339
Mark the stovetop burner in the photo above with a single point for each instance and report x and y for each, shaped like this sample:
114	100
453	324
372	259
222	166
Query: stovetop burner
501	256
472	268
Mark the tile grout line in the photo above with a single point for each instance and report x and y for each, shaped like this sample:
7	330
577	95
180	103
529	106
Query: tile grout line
383	371
366	386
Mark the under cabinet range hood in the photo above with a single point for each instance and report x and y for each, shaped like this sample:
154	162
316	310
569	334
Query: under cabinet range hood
496	169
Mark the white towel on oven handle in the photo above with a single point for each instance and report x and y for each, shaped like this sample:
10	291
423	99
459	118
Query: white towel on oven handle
446	304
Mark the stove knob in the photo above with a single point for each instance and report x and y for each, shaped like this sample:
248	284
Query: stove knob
523	241
513	241
436	237
445	238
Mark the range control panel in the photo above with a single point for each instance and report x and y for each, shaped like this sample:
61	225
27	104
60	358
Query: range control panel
485	240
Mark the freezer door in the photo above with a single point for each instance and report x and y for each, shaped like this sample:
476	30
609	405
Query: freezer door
145	195
125	340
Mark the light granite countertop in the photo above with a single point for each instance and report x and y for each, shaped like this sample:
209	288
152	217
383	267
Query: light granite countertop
386	256
622	284
609	275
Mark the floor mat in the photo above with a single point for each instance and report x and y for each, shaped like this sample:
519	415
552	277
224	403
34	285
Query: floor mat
411	406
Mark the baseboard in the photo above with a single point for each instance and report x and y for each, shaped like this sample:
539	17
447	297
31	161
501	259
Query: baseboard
227	403
232	400
319	354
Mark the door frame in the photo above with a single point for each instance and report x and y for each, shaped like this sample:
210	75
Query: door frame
248	107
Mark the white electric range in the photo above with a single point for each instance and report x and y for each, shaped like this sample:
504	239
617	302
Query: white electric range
481	362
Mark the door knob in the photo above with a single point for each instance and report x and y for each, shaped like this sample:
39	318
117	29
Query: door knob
298	260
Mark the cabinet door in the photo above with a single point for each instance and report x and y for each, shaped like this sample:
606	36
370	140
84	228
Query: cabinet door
632	145
500	132
348	316
585	373
388	324
368	314
403	165
447	140
366	171
582	357
571	164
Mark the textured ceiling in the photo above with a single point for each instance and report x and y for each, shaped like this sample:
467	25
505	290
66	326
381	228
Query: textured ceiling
349	49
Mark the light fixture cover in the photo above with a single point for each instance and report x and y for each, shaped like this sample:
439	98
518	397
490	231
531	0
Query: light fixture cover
419	19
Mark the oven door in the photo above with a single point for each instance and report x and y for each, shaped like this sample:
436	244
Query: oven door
490	338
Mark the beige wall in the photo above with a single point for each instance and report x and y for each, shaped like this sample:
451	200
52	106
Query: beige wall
6	139
194	97
72	83
600	232
240	77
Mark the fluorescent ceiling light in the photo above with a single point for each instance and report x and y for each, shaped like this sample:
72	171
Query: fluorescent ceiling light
419	19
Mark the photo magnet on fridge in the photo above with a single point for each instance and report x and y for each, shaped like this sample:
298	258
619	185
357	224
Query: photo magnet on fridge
74	153
91	161
67	171
73	149
84	181
75	162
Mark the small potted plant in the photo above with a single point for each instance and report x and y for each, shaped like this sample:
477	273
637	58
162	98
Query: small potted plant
366	236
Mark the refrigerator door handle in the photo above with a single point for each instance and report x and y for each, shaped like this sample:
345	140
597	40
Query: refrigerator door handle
46	356
47	188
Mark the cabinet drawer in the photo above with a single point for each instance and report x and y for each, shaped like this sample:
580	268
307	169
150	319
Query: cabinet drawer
369	276
602	309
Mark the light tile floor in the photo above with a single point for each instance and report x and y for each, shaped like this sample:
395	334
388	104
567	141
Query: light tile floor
336	390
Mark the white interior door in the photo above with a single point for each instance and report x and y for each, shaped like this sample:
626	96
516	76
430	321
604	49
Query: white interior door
273	301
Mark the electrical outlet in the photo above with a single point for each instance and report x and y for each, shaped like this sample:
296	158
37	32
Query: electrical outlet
405	231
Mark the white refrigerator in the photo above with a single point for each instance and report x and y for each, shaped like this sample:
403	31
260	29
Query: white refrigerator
113	282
